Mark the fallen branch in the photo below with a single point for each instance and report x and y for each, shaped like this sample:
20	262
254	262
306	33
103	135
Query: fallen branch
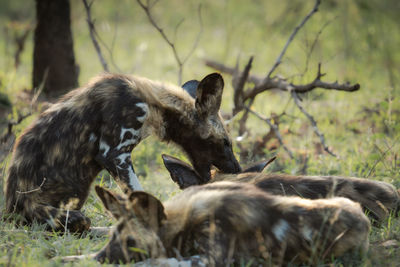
239	87
93	34
238	83
278	83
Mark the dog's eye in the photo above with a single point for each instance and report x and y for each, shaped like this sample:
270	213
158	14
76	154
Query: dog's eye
130	241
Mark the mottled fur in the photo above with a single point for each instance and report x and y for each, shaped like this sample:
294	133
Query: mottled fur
378	198
96	127
226	222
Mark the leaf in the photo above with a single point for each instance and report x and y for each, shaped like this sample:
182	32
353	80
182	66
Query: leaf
139	250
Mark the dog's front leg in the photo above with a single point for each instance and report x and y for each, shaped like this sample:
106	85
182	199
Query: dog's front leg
115	156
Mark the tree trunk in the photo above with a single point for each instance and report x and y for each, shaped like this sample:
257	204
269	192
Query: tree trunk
53	55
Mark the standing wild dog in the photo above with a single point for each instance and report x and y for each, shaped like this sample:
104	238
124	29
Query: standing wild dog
379	199
96	127
226	222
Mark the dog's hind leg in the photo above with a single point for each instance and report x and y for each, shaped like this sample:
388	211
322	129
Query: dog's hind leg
59	220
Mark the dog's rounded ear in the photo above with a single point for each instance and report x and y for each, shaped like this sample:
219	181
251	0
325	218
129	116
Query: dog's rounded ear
181	173
147	208
191	87
209	94
111	201
259	166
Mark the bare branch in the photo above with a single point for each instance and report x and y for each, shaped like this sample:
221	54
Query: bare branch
93	34
281	84
262	84
197	40
110	49
177	27
239	87
313	123
274	128
314	44
147	9
382	157
291	37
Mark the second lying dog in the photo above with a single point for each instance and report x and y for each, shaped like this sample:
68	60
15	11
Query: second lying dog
226	222
379	199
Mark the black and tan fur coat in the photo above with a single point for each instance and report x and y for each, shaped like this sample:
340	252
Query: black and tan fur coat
96	127
378	199
227	222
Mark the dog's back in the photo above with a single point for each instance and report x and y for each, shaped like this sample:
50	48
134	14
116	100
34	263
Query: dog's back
232	220
378	198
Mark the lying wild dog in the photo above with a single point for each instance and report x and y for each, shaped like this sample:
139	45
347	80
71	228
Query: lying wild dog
226	222
379	199
96	127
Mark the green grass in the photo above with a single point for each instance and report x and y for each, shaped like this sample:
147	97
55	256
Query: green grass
360	44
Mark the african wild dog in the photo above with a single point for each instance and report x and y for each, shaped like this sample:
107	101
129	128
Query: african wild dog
379	199
226	222
96	127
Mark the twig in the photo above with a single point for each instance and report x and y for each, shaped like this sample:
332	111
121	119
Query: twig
238	83
338	237
274	128
313	123
197	40
109	49
238	86
33	190
180	61
314	43
383	155
66	223
92	31
291	37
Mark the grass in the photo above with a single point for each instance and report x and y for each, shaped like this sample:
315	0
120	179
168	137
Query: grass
359	44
